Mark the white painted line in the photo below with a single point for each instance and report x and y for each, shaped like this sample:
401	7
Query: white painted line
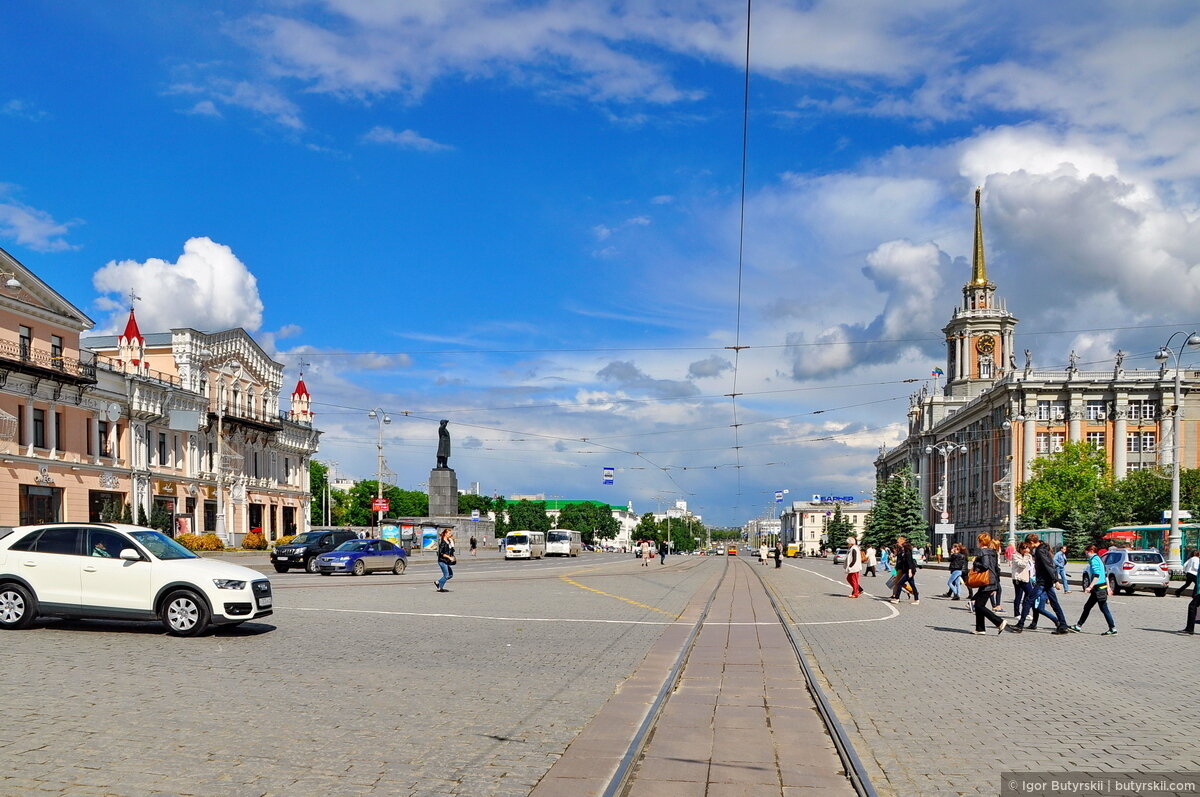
892	610
478	616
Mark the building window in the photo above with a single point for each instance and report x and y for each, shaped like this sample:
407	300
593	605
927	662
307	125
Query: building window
1049	442
256	464
1051	410
56	351
1137	466
59	441
162	448
39	428
1144	410
1096	440
102	432
1140	441
40	504
26	342
1096	411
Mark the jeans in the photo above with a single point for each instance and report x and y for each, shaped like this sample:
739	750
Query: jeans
1189	579
953	582
1022	599
1097	596
447	574
911	580
1062	578
1043	594
983	612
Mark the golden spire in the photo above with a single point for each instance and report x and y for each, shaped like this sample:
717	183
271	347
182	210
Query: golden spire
978	264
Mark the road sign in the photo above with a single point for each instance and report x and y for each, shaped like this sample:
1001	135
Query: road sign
379	505
609	473
474	515
945	529
779	496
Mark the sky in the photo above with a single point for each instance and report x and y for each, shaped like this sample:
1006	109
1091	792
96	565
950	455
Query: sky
531	218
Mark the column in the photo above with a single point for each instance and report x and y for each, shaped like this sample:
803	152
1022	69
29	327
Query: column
94	433
1120	459
1030	448
29	427
52	430
1075	414
113	439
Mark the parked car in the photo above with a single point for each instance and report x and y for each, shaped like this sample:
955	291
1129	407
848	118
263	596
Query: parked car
839	556
303	549
359	557
121	572
1129	570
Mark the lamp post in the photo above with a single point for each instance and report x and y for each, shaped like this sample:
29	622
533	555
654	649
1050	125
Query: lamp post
332	469
1174	540
380	417
945	448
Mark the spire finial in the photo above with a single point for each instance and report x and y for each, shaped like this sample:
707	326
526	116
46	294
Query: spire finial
978	263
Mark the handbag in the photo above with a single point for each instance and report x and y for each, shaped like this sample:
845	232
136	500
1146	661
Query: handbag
449	559
891	582
979	576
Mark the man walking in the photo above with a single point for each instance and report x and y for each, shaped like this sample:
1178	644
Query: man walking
1045	576
869	561
664	548
1190	568
1098	594
1060	566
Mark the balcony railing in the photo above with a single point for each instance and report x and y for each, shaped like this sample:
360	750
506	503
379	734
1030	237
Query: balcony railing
29	357
120	367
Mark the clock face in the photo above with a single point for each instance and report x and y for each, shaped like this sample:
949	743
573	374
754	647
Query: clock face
985	345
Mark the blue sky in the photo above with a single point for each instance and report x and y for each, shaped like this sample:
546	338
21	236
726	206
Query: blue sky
523	216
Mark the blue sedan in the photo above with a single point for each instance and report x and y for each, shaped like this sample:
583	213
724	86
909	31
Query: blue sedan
359	557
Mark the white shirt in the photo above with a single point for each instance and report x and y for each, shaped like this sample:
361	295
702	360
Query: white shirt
854	560
1192	566
870	560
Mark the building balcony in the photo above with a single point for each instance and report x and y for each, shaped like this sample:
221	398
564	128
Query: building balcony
122	367
249	417
23	358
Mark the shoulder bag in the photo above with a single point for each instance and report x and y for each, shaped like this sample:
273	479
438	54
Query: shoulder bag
980	576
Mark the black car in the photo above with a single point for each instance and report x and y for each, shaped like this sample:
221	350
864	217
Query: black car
303	549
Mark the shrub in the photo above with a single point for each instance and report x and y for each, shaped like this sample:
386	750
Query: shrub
254	541
285	540
200	542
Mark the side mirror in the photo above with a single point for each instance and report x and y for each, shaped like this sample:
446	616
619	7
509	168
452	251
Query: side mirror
130	555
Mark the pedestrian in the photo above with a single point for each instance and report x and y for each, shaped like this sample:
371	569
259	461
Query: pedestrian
1190	568
644	552
869	561
762	554
1045	576
474	543
445	558
1010	551
984	579
1193	609
1022	581
997	595
1060	564
853	566
663	549
778	554
1097	595
906	571
885	560
958	563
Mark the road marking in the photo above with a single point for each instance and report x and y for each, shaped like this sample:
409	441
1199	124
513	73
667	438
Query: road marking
893	611
567	578
476	616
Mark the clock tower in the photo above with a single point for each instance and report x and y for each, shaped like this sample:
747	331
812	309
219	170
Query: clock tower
979	337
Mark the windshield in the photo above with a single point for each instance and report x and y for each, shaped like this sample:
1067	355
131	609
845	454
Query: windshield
1146	558
558	536
516	539
354	545
161	545
309	538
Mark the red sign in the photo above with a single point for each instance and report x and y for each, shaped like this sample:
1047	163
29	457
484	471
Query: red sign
379	505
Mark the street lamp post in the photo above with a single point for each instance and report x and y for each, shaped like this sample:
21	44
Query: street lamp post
1175	540
380	417
945	448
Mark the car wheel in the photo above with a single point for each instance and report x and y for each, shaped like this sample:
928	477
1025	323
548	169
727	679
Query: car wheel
311	565
281	568
16	607
400	566
1162	593
184	614
360	568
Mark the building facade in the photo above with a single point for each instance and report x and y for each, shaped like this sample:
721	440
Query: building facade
804	522
135	420
968	444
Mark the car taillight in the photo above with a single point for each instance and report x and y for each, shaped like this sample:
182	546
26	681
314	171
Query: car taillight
1126	566
1165	567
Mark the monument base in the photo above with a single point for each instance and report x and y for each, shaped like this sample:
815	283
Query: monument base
443	492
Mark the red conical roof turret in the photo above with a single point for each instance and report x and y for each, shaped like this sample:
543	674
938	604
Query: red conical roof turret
301	388
131	329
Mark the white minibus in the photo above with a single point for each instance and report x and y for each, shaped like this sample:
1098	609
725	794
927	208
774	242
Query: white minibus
525	545
563	542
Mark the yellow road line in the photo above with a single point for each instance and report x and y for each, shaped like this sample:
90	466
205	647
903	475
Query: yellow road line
567	578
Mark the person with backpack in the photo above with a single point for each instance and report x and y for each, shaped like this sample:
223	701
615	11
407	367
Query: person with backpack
906	571
853	566
1044	579
1097	594
984	578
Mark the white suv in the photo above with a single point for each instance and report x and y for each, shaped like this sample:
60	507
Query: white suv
123	572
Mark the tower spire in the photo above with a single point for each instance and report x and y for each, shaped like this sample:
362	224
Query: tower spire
978	263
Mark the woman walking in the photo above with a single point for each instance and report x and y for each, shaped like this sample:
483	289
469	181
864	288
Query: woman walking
1022	574
445	558
762	554
1097	594
644	550
853	567
906	571
958	563
988	562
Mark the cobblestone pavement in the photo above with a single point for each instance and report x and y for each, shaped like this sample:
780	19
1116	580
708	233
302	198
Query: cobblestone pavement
367	686
935	710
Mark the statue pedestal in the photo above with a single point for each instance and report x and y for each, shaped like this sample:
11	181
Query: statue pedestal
443	492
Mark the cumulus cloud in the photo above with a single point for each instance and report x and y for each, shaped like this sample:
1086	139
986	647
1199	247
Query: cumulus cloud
206	288
30	227
708	367
261	98
628	376
404	139
22	109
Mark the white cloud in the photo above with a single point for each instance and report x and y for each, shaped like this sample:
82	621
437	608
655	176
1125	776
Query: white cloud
204	108
30	227
21	109
207	288
404	139
258	97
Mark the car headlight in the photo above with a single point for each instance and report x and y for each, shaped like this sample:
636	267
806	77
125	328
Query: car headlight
228	583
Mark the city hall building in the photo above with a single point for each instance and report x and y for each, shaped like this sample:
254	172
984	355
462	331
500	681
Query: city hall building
1006	412
185	420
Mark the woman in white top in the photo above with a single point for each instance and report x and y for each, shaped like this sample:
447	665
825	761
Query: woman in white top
762	554
644	550
1022	581
854	566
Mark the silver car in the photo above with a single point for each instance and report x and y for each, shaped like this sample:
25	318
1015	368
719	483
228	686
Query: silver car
839	556
1129	570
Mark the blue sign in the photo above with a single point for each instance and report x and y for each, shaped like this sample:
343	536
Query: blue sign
608	475
832	499
779	496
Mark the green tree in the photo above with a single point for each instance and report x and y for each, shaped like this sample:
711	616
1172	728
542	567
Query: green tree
318	477
401	503
646	529
470	502
593	520
838	528
529	515
1072	480
897	513
161	519
500	507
